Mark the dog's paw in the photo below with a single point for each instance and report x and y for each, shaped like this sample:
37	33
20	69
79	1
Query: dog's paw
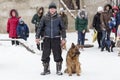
70	74
78	74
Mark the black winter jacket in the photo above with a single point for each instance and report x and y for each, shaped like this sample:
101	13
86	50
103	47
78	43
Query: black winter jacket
97	22
52	26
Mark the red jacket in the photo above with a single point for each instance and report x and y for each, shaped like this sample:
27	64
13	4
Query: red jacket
12	26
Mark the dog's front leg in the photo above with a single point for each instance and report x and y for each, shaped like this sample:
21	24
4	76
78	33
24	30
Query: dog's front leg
78	68
70	70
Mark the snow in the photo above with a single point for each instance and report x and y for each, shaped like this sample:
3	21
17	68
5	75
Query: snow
16	63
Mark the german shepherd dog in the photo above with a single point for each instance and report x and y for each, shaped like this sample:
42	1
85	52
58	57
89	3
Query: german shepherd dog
72	61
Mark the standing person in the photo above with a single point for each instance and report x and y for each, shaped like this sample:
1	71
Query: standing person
22	30
105	18
64	18
36	20
53	28
115	11
97	25
12	26
65	22
118	18
81	23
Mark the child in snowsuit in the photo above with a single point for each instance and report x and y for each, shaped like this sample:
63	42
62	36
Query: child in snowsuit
22	30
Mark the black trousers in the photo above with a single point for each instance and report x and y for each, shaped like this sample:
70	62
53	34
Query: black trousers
52	44
99	38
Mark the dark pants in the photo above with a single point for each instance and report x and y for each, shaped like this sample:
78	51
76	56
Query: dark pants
99	38
81	38
14	42
54	45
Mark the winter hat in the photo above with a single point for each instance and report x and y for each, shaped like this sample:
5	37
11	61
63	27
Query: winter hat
52	5
100	9
115	8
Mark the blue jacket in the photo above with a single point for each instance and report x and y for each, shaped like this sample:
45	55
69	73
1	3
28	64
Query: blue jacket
52	26
22	31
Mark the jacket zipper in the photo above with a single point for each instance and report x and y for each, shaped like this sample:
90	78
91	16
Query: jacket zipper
51	27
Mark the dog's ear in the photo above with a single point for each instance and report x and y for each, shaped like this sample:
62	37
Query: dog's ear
73	45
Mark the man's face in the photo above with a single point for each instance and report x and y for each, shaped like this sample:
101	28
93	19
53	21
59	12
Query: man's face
52	10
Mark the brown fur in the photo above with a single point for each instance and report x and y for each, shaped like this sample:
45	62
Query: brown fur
72	61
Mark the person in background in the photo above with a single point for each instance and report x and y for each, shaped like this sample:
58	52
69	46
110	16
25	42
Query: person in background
54	31
12	26
81	23
105	18
115	11
22	30
36	20
97	25
65	22
118	18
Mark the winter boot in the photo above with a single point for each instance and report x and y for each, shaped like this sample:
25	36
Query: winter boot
102	49
46	69
59	67
38	46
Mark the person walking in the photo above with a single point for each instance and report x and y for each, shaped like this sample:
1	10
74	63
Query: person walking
54	31
97	25
105	18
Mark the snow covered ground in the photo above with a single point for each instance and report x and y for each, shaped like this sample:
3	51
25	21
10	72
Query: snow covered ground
16	63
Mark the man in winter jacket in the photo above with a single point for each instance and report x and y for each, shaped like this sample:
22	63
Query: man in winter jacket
53	28
12	26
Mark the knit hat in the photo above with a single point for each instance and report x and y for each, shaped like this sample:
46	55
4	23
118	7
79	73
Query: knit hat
52	5
100	9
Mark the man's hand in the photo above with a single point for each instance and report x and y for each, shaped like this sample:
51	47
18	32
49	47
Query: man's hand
63	42
37	41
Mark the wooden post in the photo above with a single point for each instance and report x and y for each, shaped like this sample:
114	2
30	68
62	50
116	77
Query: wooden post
61	1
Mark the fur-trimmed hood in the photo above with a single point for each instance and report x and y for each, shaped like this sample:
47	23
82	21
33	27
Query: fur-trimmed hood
82	11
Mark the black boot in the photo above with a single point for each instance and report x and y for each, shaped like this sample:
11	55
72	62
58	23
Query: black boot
38	46
59	67
46	69
102	49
